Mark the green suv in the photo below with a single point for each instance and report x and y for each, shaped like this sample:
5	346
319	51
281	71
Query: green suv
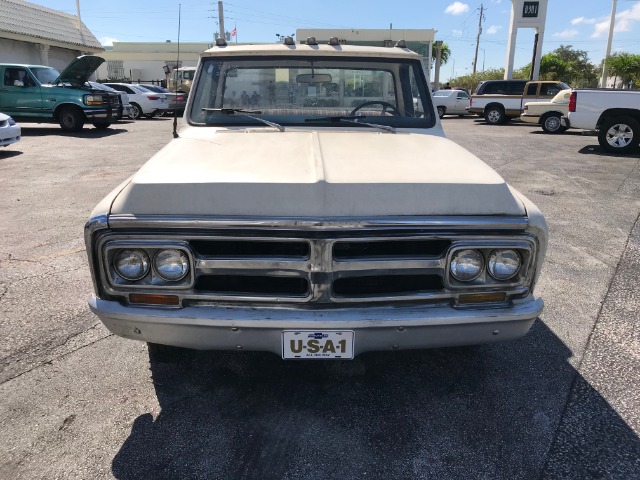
35	93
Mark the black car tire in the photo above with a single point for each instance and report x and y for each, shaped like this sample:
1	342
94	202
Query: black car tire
441	111
550	123
619	134
71	119
136	111
101	125
494	115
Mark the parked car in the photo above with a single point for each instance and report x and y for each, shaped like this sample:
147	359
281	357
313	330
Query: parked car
502	100
175	101
312	229
9	130
548	114
615	114
144	102
36	93
451	102
125	109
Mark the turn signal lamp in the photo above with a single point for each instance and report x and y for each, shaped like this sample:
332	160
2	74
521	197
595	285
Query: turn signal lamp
472	298
154	299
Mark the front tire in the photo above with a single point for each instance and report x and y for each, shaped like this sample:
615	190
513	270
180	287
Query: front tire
551	123
71	119
619	135
494	115
136	111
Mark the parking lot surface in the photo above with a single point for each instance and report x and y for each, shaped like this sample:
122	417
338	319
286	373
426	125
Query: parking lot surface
562	402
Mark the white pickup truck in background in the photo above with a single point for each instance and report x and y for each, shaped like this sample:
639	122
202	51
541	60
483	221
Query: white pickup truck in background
614	113
501	100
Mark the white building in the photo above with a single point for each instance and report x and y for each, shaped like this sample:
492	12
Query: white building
37	35
145	61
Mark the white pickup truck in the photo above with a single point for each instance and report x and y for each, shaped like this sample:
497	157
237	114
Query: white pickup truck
614	113
325	219
500	100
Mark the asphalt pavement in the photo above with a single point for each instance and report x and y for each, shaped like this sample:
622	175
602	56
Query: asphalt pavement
561	403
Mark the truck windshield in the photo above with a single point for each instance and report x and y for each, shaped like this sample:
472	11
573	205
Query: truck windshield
45	75
293	90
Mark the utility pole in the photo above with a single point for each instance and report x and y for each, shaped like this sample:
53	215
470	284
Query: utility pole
475	59
221	20
78	10
605	73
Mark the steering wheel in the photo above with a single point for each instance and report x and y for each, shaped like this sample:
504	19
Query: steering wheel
385	105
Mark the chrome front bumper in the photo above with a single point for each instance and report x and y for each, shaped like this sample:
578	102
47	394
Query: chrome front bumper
260	329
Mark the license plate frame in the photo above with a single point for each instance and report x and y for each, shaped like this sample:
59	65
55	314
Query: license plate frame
318	344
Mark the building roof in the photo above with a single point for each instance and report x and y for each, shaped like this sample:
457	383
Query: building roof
33	22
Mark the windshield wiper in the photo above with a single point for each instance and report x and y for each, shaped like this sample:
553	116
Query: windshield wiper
245	113
351	119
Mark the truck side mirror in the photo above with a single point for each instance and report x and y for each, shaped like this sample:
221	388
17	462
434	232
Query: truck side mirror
18	83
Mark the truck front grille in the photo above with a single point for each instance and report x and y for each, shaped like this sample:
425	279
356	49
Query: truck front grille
321	269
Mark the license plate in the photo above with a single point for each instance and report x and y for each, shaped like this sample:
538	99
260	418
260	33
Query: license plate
317	344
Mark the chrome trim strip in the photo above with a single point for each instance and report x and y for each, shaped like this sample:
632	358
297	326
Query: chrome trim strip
329	223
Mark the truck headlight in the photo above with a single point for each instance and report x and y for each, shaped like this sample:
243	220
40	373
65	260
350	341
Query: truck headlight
93	99
466	265
504	264
171	265
131	264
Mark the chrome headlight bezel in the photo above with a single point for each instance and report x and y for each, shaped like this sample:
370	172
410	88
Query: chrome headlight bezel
522	278
152	280
491	264
184	260
144	260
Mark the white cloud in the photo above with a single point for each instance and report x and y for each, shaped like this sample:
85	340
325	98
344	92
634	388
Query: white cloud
497	2
587	21
568	33
108	41
493	29
457	8
457	33
624	22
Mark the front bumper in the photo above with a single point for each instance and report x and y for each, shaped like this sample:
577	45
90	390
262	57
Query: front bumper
260	329
529	118
9	135
100	113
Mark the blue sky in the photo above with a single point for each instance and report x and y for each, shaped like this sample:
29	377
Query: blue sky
581	23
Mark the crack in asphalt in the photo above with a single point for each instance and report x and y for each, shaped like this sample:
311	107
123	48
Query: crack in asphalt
578	367
51	360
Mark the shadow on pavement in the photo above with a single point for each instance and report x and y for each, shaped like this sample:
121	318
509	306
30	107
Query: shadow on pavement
86	132
597	150
477	412
4	154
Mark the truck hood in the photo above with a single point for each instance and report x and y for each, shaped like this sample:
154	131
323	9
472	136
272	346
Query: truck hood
80	70
303	173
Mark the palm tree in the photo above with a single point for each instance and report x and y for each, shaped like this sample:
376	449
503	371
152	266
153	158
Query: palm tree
445	53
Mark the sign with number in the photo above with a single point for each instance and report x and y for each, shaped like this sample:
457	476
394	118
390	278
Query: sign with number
530	9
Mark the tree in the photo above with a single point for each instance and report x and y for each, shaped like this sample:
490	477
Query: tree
445	53
568	65
626	66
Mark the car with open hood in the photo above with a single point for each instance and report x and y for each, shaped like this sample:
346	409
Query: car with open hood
38	93
307	208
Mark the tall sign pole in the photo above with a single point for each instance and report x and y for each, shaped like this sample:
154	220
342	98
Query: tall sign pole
475	59
221	20
605	69
526	14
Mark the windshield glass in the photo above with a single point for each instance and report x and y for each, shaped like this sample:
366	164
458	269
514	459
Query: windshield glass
298	90
45	75
442	93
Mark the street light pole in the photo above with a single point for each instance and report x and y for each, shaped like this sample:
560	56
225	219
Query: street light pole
605	73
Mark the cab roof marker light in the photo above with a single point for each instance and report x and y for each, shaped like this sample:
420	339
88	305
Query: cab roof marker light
401	44
312	41
334	42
